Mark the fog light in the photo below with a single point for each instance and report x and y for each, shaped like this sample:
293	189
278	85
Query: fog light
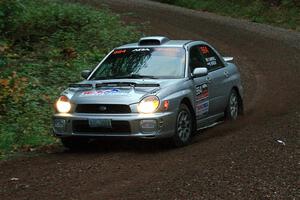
59	124
148	125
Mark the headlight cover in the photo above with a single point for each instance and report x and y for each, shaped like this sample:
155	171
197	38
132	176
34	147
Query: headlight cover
149	104
63	104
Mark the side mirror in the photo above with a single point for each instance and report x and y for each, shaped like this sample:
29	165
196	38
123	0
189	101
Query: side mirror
228	59
201	71
85	73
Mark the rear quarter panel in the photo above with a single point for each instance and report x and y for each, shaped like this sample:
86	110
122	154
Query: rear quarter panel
235	80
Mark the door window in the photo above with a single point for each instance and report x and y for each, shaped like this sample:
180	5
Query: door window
212	60
196	58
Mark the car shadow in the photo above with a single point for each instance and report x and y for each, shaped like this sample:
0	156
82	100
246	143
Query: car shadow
108	145
225	128
150	146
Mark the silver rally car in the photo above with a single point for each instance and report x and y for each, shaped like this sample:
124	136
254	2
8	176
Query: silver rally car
156	88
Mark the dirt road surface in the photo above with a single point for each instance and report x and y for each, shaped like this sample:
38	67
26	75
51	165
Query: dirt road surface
241	160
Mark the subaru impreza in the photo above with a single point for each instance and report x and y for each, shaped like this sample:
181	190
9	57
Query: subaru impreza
155	88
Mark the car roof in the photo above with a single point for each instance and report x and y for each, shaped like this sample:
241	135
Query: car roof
158	41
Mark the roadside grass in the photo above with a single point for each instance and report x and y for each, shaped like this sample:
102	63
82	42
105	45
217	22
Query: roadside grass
44	45
281	13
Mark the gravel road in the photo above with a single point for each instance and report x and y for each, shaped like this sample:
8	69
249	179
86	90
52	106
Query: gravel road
256	157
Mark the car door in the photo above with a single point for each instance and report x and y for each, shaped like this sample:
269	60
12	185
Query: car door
201	88
217	80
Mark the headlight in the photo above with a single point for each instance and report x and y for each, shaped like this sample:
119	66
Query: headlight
63	104
148	104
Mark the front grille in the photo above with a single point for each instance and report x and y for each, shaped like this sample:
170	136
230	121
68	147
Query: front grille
102	108
82	126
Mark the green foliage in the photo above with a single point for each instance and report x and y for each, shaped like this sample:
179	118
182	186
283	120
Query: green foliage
43	47
7	9
283	13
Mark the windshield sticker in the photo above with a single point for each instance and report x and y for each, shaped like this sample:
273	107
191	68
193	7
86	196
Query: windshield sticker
121	51
110	92
202	108
204	50
211	61
139	50
201	92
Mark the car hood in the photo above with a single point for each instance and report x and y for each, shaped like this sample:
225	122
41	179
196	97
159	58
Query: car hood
124	91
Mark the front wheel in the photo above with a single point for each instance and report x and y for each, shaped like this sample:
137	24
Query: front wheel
184	127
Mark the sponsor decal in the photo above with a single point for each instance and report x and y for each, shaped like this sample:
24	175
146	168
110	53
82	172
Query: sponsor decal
121	51
142	49
201	92
109	92
202	108
204	50
211	61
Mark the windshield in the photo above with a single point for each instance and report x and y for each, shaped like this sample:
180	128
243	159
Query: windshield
152	63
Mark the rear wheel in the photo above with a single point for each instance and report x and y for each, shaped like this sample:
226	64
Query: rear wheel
184	127
233	106
75	143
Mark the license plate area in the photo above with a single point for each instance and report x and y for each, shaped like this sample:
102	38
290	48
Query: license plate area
100	123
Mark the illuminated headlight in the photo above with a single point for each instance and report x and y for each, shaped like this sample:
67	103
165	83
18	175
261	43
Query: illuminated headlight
63	104
148	104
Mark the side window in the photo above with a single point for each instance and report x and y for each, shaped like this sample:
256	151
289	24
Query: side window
212	60
196	59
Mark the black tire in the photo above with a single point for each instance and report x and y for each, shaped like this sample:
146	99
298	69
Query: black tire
233	108
75	143
183	128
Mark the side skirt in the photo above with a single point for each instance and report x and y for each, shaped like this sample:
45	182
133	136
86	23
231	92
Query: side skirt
210	121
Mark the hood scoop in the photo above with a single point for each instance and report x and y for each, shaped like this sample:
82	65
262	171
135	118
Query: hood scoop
153	40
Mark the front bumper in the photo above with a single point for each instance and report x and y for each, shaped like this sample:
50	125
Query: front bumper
64	125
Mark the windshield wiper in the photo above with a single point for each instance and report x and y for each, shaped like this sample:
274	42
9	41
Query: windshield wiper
130	76
135	76
103	78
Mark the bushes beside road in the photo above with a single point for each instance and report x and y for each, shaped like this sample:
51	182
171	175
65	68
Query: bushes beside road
43	46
